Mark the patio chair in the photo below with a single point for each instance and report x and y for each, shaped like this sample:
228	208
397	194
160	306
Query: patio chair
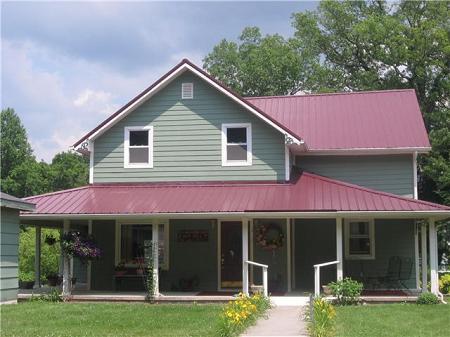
405	271
392	277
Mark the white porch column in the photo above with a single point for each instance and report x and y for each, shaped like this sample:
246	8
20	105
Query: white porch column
37	258
434	278
424	256
288	254
245	256
339	255
155	255
416	254
89	266
66	269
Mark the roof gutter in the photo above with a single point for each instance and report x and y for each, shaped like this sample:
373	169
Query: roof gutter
437	215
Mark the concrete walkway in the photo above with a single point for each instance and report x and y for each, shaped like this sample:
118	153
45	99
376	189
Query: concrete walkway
283	320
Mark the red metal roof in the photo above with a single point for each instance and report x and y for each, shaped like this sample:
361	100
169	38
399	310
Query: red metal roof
359	120
308	193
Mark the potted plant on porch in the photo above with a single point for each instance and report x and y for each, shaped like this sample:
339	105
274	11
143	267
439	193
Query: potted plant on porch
26	280
53	279
120	269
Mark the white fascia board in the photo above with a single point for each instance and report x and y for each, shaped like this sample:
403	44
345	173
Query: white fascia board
364	151
171	77
437	215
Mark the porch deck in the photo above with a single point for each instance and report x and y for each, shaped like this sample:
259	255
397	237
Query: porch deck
293	298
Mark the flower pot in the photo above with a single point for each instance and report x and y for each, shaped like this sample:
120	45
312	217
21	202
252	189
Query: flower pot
52	280
326	290
139	272
26	284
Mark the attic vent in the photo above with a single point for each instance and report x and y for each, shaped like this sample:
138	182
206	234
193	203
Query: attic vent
187	90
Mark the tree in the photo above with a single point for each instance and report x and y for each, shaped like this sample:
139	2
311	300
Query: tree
69	170
269	65
28	178
14	145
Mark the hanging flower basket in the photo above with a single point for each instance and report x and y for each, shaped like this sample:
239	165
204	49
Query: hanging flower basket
269	236
75	245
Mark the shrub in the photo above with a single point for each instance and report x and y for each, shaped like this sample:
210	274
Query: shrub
428	298
49	253
347	291
322	318
444	284
26	276
52	296
239	314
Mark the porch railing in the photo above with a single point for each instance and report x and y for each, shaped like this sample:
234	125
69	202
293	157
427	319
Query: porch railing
264	272
317	275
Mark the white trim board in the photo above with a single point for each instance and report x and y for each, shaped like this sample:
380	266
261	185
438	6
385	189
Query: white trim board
438	215
178	71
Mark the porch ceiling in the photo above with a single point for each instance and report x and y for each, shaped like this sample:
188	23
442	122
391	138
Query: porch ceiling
308	193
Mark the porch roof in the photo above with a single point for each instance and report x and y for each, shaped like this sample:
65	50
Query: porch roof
307	193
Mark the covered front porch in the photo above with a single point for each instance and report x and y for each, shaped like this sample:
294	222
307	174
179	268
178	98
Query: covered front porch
203	258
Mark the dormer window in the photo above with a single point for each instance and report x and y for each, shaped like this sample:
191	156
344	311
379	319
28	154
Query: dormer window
138	147
236	144
187	90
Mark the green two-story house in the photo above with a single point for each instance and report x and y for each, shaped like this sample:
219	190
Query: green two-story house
220	182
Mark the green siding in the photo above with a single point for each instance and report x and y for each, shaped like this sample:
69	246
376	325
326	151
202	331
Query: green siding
392	238
276	259
315	242
388	173
9	243
103	269
190	260
187	139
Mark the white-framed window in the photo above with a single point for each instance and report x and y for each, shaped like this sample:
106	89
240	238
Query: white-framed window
138	147
360	239
237	144
132	239
187	90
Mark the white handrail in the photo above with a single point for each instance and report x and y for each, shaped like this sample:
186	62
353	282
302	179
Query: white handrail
257	264
265	278
317	275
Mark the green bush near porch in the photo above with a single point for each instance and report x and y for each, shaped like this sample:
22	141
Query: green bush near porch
41	319
393	320
49	253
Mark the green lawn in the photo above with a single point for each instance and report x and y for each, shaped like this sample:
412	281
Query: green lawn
108	319
393	320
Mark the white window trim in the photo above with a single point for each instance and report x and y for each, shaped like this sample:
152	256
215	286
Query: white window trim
126	147
182	90
349	256
225	161
118	248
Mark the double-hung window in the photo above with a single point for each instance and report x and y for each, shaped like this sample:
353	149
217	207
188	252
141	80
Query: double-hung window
138	147
360	239
236	144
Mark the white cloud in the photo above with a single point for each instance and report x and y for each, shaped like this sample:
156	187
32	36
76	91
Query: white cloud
96	101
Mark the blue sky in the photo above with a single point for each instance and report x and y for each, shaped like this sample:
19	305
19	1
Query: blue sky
67	65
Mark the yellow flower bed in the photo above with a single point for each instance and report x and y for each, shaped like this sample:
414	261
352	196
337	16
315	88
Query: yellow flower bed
241	313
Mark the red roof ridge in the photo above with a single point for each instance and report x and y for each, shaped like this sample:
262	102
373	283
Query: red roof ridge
331	94
364	189
57	192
